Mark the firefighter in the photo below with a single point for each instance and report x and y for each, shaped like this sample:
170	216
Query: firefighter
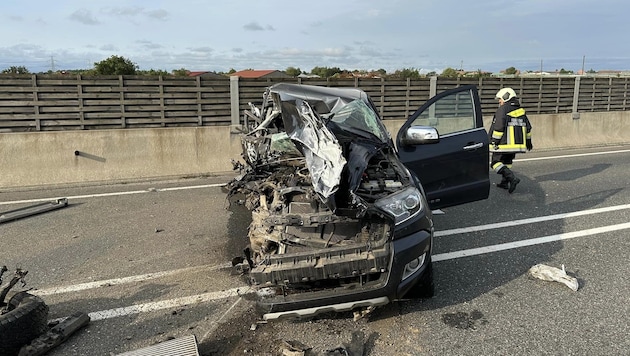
510	134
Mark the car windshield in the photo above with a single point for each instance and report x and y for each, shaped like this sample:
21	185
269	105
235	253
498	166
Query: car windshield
357	117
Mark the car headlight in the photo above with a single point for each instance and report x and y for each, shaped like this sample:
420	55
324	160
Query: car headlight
402	205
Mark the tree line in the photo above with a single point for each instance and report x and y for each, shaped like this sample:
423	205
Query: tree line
118	65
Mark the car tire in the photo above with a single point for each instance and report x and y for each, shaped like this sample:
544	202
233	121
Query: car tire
25	319
425	288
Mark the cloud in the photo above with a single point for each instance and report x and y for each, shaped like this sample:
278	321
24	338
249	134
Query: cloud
109	48
255	26
123	11
135	11
146	44
85	17
157	14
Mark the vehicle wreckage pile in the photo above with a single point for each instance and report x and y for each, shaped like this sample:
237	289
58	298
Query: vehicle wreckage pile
324	188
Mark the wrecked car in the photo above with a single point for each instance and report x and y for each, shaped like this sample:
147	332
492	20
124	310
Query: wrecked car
341	217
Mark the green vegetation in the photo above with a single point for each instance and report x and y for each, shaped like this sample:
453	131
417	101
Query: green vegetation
118	65
16	70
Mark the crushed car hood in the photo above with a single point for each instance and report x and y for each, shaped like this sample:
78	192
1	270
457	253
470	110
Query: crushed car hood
306	111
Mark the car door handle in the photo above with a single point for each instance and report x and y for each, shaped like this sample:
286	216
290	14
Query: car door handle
473	147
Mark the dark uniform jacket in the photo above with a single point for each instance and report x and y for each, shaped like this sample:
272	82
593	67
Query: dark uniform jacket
510	128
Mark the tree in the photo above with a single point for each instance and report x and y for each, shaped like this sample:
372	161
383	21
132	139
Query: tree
292	71
511	71
407	73
326	72
154	72
181	72
382	72
16	70
564	71
449	73
115	65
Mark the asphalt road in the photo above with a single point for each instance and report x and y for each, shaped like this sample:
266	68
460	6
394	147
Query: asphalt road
150	262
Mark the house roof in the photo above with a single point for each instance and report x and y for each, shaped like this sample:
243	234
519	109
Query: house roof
205	74
253	73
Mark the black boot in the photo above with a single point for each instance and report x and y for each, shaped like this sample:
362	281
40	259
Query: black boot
512	181
504	184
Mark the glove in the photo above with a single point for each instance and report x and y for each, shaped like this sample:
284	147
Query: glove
528	143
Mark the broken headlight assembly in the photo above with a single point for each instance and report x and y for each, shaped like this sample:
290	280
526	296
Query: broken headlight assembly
402	205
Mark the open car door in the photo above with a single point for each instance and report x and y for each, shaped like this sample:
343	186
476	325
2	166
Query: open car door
445	144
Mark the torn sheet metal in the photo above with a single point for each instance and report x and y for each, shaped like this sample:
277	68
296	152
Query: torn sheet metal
324	157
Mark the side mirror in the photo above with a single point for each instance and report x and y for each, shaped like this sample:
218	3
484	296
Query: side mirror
420	135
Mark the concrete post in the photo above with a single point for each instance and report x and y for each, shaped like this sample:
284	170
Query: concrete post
235	125
576	98
433	86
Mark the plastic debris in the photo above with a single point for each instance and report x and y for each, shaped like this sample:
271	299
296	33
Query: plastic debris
553	274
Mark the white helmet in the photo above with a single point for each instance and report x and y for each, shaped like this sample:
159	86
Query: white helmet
505	94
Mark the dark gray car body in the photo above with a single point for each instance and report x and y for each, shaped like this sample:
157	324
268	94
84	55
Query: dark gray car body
340	215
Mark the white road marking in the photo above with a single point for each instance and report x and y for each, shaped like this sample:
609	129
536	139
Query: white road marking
117	281
465	230
529	242
571	156
166	304
87	196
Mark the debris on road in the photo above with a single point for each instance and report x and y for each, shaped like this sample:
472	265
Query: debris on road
56	335
294	348
183	346
553	274
32	210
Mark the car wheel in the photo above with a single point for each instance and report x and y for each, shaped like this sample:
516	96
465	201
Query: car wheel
25	319
425	288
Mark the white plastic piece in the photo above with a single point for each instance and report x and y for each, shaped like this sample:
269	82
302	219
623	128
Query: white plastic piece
553	274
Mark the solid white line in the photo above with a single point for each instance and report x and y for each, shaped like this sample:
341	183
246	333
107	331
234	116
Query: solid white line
500	225
571	156
165	304
150	190
117	281
530	242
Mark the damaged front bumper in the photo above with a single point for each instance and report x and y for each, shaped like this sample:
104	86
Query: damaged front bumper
388	285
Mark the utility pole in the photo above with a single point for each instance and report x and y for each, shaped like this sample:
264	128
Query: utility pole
52	64
583	59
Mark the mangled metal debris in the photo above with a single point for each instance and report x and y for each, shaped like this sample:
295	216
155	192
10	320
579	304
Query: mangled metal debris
553	274
24	321
56	335
32	210
327	194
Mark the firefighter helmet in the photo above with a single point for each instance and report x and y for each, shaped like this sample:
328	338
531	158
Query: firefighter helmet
506	94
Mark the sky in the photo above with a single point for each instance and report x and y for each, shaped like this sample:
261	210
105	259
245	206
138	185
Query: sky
210	35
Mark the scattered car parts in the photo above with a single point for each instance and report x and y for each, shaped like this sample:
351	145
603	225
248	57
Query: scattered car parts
32	210
22	318
553	274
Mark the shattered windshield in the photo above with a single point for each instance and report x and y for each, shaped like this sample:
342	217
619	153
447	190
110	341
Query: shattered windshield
359	118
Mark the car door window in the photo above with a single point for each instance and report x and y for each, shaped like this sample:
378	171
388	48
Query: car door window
452	113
